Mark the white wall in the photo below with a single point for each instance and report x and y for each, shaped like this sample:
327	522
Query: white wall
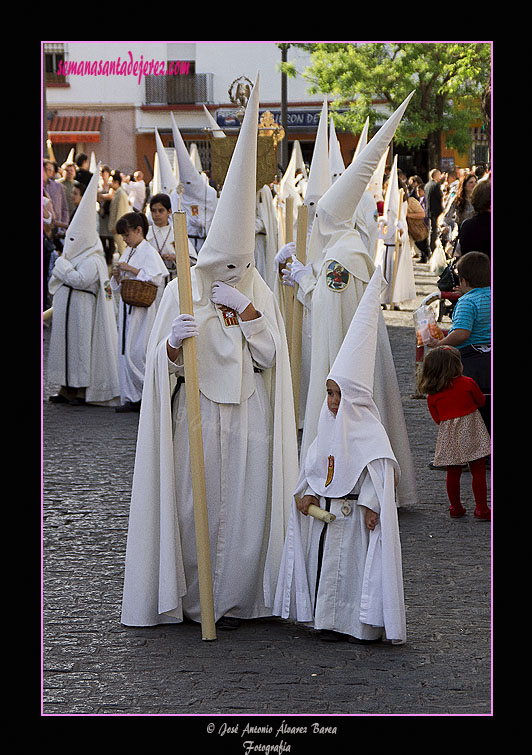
226	60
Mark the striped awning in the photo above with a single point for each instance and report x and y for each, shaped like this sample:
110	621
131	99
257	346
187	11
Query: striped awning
74	128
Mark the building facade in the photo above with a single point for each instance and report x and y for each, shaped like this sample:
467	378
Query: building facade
108	98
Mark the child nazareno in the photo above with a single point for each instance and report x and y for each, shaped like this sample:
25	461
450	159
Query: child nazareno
346	576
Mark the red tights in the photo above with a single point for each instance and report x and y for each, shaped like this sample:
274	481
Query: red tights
480	493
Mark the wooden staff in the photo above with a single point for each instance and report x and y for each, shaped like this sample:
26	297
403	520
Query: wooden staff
197	462
286	291
297	312
397	250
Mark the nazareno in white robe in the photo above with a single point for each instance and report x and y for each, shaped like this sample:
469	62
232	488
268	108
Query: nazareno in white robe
332	310
135	323
360	588
83	342
250	450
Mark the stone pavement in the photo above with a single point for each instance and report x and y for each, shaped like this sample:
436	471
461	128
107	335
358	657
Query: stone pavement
269	670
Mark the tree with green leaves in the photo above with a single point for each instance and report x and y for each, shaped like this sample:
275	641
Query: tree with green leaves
449	79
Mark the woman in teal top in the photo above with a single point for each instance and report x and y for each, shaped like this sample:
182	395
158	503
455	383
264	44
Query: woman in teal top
471	328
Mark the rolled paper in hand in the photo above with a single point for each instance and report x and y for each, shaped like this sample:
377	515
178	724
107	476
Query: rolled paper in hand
317	513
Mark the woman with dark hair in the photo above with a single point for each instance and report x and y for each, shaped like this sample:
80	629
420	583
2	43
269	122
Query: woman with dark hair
475	232
142	262
78	190
460	209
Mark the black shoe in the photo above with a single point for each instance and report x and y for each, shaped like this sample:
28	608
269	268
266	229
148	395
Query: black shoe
356	641
328	635
58	398
227	623
77	402
129	406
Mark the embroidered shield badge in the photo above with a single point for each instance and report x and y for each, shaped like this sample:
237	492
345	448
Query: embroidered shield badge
337	277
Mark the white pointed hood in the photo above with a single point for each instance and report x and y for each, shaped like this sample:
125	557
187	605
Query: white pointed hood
195	157
333	236
214	128
341	199
199	198
286	184
347	442
391	205
231	237
188	175
319	179
167	179
82	234
362	141
375	182
336	161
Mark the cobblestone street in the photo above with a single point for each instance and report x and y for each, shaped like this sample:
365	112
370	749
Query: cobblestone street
92	665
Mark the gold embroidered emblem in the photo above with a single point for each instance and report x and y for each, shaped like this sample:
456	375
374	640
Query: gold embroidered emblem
330	470
230	316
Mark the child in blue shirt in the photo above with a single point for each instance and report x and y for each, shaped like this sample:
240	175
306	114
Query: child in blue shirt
470	332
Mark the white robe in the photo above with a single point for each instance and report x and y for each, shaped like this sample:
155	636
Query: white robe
402	288
135	323
250	450
332	312
86	355
360	589
266	238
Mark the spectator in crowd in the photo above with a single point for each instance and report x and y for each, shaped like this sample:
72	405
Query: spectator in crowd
475	232
83	174
57	194
119	206
69	177
136	190
433	204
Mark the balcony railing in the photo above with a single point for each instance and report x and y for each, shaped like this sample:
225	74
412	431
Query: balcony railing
191	89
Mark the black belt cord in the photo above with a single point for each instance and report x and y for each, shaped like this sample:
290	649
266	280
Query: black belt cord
350	497
70	289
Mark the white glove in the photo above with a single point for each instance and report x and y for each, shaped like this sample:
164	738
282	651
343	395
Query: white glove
62	267
183	326
284	253
228	296
294	271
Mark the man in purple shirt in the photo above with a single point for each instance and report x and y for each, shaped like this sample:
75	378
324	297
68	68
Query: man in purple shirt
57	194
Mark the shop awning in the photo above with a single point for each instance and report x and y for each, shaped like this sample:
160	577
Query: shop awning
74	128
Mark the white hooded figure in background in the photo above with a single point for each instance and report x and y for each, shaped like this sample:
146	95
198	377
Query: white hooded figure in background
199	198
266	235
365	219
319	181
83	354
336	161
346	576
393	250
248	426
340	268
162	237
142	262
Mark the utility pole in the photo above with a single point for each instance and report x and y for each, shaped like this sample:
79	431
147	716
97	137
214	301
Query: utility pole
284	47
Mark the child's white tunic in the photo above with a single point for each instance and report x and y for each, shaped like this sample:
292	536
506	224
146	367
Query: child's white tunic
135	323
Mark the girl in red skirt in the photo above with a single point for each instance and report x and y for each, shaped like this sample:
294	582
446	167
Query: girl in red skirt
453	402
